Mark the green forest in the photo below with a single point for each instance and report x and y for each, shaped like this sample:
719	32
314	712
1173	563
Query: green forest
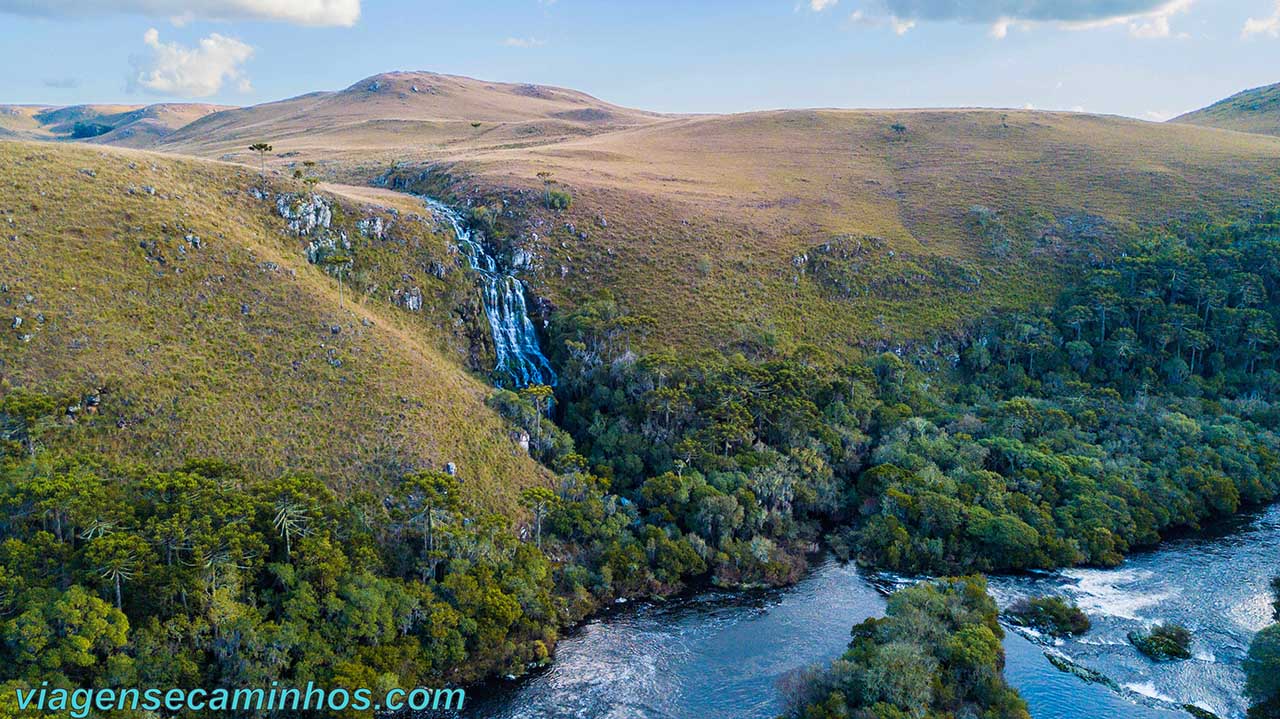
1141	402
1262	665
935	653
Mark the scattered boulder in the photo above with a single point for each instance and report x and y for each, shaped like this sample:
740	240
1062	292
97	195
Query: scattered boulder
371	227
521	259
521	438
410	299
304	213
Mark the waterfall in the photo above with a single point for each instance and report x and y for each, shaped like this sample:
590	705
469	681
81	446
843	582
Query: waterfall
515	341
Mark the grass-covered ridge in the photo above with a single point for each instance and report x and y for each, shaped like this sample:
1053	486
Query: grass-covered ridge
833	229
1255	110
841	229
164	291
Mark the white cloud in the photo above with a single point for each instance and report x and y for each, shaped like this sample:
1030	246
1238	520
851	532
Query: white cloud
820	5
901	26
1000	28
1157	115
174	69
1264	26
300	12
523	42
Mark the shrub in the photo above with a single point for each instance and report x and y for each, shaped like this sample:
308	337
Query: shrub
559	200
1163	642
1262	672
83	130
1052	615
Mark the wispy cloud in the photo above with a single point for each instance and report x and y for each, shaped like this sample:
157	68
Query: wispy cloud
820	5
301	12
1154	23
1142	18
1264	26
900	26
174	69
523	42
62	83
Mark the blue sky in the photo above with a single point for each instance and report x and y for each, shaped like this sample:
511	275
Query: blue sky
1144	58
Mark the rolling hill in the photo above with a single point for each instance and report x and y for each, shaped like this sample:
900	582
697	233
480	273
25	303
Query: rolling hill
834	228
843	229
136	126
392	112
1256	110
171	294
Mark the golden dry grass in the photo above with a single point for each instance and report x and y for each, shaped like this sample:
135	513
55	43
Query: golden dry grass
707	217
418	112
711	219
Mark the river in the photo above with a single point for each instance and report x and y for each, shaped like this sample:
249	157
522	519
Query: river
720	655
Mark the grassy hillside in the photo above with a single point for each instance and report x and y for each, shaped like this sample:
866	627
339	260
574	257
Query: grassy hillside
1256	110
836	229
137	126
164	288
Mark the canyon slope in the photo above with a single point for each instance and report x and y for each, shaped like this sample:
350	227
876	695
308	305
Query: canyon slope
171	301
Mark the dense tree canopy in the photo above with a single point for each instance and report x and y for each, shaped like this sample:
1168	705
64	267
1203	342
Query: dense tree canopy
202	576
935	653
1262	667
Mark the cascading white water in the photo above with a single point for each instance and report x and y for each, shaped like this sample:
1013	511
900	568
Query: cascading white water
515	340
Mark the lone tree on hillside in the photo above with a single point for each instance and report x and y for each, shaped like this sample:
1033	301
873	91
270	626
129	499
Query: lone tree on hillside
337	261
428	498
540	501
541	396
262	149
547	182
